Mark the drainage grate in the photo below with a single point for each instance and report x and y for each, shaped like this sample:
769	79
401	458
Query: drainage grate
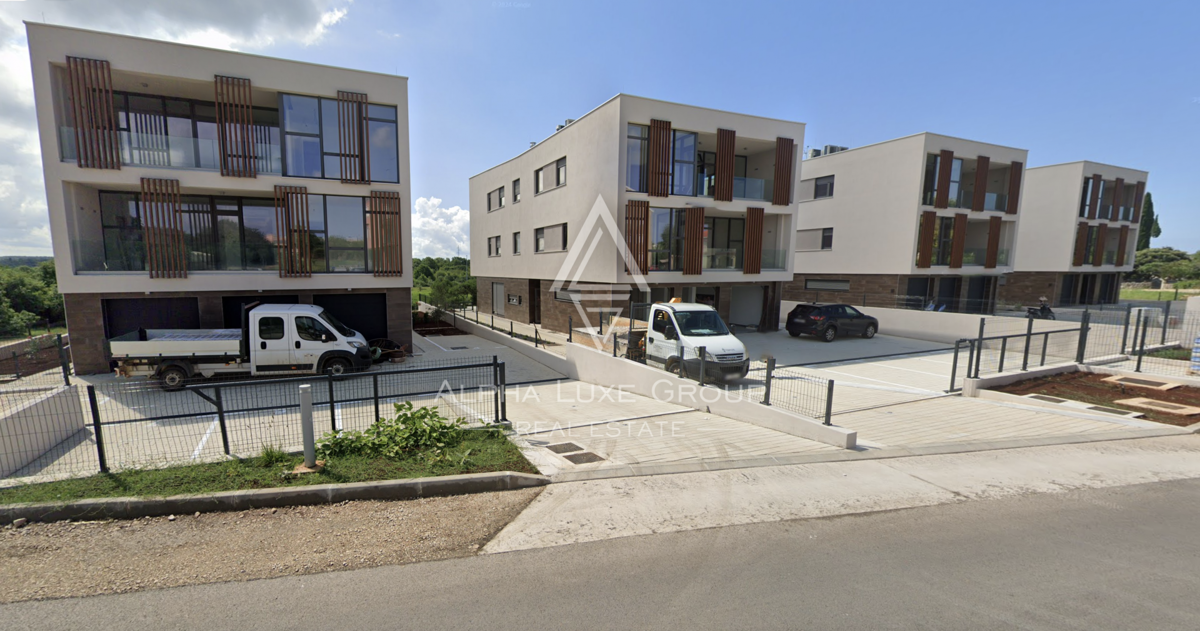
1107	410
459	348
584	457
1042	397
564	448
1141	382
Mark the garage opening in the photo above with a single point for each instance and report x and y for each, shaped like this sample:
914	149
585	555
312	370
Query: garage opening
231	306
125	315
747	305
365	313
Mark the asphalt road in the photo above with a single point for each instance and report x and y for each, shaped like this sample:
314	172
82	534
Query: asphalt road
1118	558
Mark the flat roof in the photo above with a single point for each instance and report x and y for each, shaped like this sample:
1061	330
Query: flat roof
1114	166
920	133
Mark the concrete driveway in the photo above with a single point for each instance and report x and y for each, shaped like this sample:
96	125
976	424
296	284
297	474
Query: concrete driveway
790	351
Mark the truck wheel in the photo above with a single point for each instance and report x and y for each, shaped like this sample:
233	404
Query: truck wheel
173	378
675	367
336	366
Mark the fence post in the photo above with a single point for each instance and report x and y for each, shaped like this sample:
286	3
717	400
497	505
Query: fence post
495	389
91	390
221	419
1028	341
1003	350
1045	343
864	298
954	365
1166	318
306	425
535	337
1125	329
979	348
503	394
702	352
829	404
375	392
1142	350
1137	328
770	375
510	328
1084	326
66	368
332	410
492	326
570	328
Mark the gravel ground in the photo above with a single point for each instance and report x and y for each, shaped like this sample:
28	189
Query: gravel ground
69	559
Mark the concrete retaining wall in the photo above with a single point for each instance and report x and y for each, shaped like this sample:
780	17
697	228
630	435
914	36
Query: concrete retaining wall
546	358
33	427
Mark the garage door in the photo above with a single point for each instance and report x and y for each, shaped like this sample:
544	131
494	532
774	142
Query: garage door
231	306
365	313
746	307
124	315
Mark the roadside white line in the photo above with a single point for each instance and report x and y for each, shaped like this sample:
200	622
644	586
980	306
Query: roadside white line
898	385
437	345
200	447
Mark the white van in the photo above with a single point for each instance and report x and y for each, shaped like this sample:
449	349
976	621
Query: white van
679	329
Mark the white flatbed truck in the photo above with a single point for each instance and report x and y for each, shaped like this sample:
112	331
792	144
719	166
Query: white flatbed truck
273	340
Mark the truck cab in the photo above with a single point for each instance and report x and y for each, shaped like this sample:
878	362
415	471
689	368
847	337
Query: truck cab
678	330
302	338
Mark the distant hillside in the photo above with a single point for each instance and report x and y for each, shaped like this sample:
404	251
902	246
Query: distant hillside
20	261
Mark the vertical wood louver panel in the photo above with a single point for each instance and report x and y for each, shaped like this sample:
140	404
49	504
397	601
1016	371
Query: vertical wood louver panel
941	198
235	127
353	146
723	186
293	243
1081	234
693	241
981	180
1122	244
1139	194
166	256
97	145
637	236
958	241
754	241
1098	252
1094	201
785	155
1118	200
659	184
1015	173
384	220
925	239
993	242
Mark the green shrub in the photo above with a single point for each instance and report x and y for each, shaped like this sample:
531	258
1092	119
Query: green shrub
411	431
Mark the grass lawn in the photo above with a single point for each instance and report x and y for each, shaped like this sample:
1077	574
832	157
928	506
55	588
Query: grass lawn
1184	354
36	332
487	452
420	293
1152	294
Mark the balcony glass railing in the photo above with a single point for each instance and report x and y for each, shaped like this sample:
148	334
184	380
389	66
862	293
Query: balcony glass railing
774	259
977	257
722	258
752	188
1110	257
173	152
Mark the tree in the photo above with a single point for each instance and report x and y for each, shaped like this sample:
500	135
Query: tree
1148	225
1149	263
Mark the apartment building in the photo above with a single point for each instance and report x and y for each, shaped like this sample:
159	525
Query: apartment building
183	182
1078	233
923	221
639	200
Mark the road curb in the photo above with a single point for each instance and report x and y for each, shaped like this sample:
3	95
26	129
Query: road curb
133	507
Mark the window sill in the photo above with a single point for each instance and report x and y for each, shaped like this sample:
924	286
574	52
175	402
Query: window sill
550	190
815	250
549	251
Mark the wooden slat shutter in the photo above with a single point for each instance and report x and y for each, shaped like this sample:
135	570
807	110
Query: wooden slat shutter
981	180
97	145
385	231
353	146
993	242
166	256
925	239
753	249
723	186
659	184
693	241
958	241
637	236
1081	235
1094	202
1118	200
235	127
1122	243
1015	173
1098	252
1139	195
292	243
785	155
945	163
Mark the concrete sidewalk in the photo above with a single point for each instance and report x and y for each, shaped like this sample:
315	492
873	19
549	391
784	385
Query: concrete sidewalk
606	509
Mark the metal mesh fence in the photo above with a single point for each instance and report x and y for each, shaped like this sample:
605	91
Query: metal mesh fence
38	361
70	431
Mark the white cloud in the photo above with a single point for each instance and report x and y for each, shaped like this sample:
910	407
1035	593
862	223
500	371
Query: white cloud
440	232
230	24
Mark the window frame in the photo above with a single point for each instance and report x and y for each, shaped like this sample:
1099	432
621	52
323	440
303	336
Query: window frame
559	178
366	139
493	246
826	239
821	181
516	243
516	191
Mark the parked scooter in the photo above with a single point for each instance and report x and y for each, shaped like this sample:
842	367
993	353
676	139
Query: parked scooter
1041	312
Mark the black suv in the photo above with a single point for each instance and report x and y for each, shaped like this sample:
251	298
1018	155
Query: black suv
829	321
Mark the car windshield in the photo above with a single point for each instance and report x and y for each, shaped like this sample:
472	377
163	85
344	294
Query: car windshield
337	324
700	323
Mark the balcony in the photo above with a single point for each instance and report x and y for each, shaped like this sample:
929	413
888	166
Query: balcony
963	180
174	152
977	257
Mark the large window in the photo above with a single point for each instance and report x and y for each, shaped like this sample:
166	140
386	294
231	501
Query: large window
683	152
724	240
932	168
312	139
637	144
943	239
666	239
496	199
1085	198
551	176
550	239
823	187
234	234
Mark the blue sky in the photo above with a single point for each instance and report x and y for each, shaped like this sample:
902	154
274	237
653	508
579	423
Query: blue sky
1112	82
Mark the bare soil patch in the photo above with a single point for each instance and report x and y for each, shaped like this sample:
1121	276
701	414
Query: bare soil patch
70	559
1091	388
